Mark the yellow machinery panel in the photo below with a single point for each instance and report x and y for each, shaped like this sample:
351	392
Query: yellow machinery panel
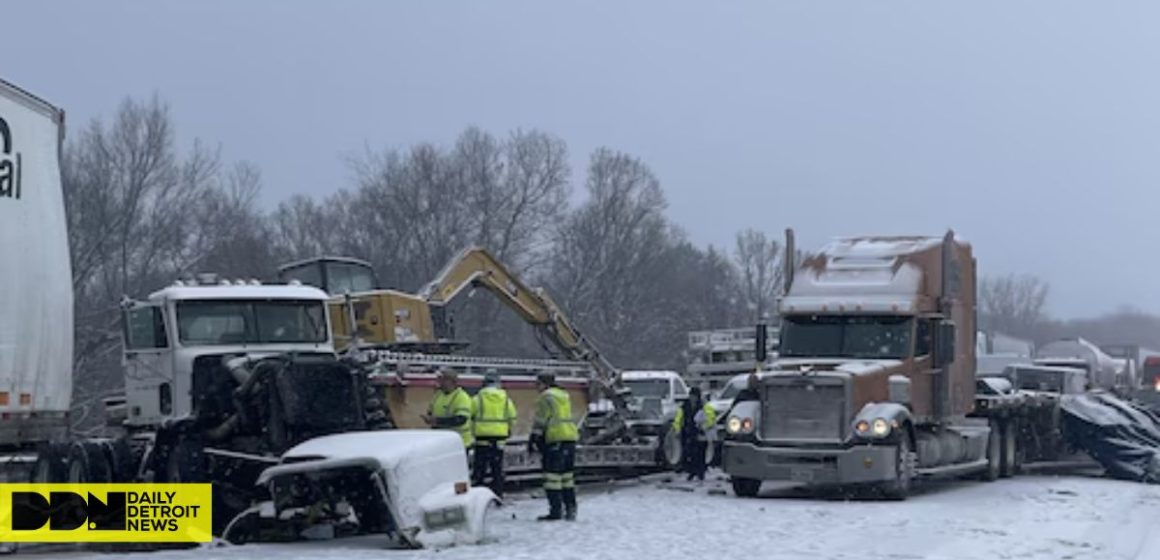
381	317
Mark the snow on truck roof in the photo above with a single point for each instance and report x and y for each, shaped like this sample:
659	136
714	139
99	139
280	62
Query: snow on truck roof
883	245
249	292
862	275
879	246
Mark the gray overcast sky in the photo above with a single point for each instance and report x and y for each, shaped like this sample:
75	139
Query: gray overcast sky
1029	127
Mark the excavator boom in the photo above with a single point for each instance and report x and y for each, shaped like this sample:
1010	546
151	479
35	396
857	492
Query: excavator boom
475	266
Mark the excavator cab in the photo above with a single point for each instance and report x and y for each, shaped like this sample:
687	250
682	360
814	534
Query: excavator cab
382	318
333	275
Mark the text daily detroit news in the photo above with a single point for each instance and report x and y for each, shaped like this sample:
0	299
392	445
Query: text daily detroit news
105	512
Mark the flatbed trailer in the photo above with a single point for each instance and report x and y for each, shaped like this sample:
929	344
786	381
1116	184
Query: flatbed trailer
407	383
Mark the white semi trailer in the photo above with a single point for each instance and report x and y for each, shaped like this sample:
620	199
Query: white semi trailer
36	298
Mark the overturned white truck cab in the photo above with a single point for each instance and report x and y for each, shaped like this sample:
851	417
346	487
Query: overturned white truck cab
876	374
412	485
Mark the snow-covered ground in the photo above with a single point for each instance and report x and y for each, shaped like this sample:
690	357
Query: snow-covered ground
1031	517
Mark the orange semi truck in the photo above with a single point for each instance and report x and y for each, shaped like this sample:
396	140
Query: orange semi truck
875	380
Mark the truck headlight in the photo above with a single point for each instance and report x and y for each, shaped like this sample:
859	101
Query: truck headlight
876	428
446	517
739	425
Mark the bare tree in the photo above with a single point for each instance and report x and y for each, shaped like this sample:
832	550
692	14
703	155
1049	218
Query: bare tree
517	190
759	262
610	256
1013	304
413	211
140	214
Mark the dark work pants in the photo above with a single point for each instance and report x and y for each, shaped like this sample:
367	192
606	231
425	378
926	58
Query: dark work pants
559	478
693	455
488	467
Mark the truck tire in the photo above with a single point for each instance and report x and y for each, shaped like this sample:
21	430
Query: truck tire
87	463
994	453
1010	463
899	488
745	487
51	463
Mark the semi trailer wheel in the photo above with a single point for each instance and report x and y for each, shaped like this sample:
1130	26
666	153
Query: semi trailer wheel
745	487
51	463
87	463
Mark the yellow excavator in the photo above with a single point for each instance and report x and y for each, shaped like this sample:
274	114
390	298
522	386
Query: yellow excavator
366	317
395	320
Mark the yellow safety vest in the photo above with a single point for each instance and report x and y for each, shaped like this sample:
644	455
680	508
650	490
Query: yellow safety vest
495	413
455	403
554	416
710	418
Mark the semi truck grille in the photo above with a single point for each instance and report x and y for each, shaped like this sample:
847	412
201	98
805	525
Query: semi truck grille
804	408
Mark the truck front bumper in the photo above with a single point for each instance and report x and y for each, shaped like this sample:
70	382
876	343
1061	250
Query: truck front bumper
851	465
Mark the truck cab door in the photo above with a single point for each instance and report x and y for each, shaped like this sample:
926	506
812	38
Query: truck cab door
148	364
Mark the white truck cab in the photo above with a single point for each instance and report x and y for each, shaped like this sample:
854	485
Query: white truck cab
174	326
665	387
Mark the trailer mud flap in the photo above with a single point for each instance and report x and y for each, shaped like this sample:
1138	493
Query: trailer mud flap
1122	437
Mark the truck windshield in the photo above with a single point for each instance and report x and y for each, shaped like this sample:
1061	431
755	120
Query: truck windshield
846	336
735	386
648	388
201	323
1032	379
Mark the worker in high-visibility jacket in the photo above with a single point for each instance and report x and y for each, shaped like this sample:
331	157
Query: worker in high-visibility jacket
494	418
554	434
452	408
693	421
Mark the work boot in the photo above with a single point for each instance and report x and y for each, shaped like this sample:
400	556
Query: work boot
570	504
555	503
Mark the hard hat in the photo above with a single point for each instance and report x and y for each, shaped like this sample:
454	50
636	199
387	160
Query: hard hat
446	374
492	378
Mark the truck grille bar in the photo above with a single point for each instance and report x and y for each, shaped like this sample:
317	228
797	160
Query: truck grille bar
804	408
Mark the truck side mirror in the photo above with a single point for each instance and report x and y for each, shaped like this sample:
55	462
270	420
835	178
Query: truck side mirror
945	344
759	352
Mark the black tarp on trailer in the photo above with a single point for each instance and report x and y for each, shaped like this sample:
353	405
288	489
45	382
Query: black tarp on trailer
1121	436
